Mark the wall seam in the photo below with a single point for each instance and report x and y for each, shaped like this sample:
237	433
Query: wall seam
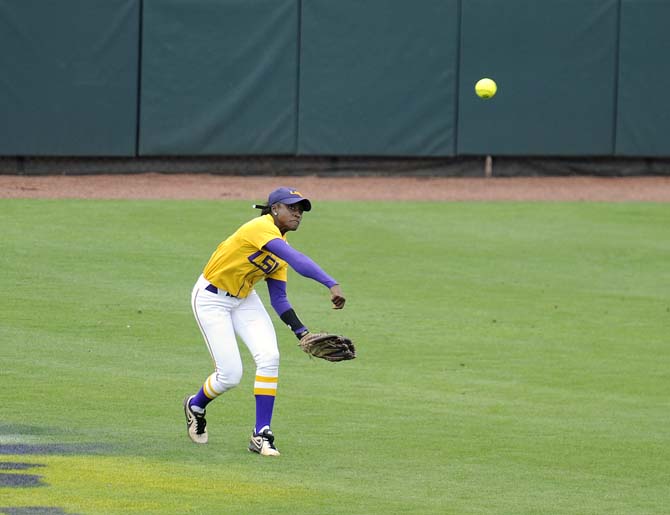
138	111
297	81
617	64
459	21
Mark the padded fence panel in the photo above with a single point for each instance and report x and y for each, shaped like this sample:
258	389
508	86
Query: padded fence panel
378	77
555	65
643	121
69	77
219	77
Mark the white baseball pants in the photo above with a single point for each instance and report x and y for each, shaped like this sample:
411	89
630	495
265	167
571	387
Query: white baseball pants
220	317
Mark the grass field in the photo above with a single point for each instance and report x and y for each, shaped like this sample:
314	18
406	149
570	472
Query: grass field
513	359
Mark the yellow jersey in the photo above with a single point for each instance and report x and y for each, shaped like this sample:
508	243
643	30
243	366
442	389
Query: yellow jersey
239	261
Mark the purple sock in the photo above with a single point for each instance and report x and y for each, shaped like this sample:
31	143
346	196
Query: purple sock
264	406
200	399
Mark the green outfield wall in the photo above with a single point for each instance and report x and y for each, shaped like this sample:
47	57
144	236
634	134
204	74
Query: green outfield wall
378	77
219	77
390	78
68	77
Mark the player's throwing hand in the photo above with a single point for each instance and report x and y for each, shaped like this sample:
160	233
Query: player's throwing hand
336	297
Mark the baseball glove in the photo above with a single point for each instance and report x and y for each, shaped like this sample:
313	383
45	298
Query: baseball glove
331	347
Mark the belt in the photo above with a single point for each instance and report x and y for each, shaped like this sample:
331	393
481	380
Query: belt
214	289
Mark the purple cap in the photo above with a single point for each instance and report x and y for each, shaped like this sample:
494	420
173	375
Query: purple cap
289	196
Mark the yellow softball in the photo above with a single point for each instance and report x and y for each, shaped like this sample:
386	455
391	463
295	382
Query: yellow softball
486	88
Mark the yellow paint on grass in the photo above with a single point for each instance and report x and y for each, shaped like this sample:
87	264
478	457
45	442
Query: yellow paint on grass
117	484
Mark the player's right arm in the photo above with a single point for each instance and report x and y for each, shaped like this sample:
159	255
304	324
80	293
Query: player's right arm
306	267
301	263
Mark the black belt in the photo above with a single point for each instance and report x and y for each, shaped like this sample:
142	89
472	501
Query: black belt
214	289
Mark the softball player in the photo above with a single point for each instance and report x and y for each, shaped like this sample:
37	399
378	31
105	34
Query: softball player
225	304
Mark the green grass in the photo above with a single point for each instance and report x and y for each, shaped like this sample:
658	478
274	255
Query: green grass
513	358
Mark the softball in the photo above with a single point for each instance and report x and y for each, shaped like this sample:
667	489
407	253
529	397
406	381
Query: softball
486	88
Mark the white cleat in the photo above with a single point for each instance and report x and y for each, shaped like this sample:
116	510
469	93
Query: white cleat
263	443
195	423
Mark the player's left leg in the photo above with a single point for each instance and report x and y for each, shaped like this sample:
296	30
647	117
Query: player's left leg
254	326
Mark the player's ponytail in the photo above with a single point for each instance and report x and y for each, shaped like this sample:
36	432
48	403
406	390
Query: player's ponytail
265	210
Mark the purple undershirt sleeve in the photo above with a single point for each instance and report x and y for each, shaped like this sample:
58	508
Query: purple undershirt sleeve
278	298
282	306
301	263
